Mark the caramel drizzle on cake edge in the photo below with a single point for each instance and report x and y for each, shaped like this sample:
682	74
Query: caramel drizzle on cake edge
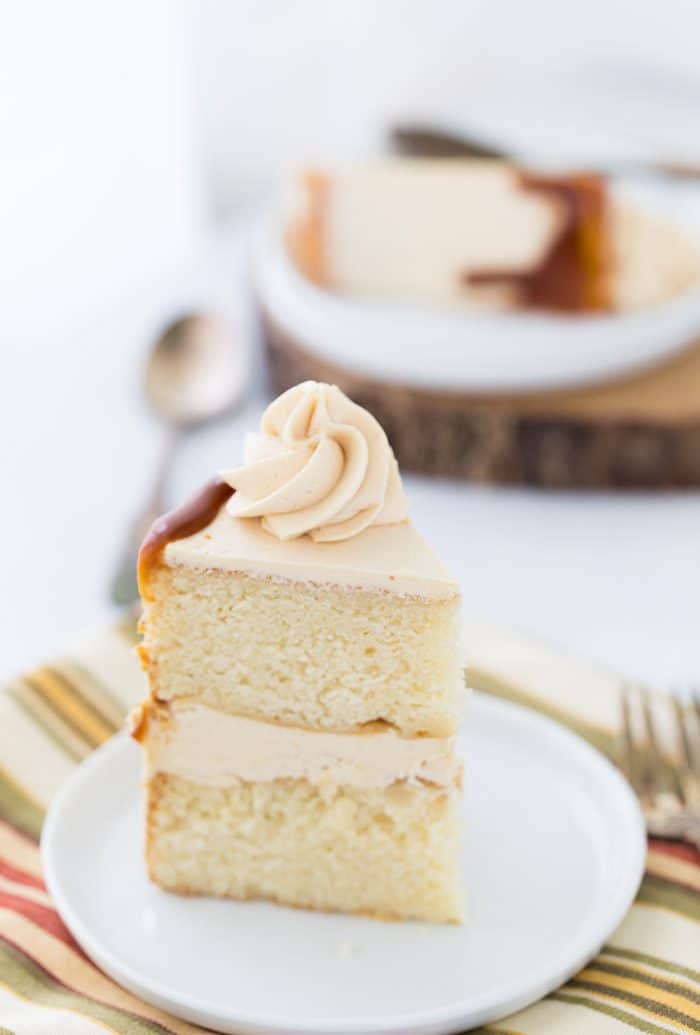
573	274
190	517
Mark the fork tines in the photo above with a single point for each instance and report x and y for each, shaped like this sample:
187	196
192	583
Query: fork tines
660	755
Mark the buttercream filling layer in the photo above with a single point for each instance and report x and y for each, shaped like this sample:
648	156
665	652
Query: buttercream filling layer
212	747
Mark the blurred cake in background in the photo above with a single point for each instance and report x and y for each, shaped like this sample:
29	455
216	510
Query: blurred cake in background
503	325
483	234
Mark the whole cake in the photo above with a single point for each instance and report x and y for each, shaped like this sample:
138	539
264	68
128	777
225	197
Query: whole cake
301	647
440	246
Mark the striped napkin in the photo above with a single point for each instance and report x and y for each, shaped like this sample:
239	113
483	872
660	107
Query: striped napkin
646	978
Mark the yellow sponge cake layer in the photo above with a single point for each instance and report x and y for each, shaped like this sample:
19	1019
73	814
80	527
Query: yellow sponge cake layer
326	657
387	853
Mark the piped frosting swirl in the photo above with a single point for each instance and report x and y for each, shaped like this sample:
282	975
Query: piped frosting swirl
320	466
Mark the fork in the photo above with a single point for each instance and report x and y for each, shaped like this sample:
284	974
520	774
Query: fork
668	787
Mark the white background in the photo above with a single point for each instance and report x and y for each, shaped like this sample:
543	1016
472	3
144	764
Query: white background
135	138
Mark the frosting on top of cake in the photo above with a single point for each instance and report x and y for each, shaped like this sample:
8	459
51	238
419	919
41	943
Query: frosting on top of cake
318	500
321	465
395	558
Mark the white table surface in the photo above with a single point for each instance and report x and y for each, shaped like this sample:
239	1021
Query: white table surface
612	577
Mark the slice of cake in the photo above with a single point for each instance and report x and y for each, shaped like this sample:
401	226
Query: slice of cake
301	646
484	234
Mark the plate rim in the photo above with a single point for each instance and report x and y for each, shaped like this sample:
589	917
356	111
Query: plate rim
519	994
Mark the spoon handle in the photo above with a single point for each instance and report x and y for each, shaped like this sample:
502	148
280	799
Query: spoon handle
124	587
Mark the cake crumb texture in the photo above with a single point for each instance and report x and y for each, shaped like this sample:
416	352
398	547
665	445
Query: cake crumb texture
389	854
324	657
653	260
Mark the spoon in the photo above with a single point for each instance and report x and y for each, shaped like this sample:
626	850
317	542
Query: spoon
194	375
426	142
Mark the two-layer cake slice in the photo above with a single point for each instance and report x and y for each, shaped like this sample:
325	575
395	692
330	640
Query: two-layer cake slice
301	644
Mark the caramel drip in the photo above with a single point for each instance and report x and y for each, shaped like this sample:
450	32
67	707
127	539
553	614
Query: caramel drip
573	274
191	516
137	722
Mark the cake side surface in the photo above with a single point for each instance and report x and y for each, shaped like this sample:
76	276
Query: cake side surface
653	260
420	229
480	233
387	853
303	654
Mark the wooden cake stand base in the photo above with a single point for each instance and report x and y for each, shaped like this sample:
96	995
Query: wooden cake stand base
640	432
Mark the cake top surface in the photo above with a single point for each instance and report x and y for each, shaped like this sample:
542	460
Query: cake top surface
389	557
318	499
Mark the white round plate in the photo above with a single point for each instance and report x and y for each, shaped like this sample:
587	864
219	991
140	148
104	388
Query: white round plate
553	857
463	350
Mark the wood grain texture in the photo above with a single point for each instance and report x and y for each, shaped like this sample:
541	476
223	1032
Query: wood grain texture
639	433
